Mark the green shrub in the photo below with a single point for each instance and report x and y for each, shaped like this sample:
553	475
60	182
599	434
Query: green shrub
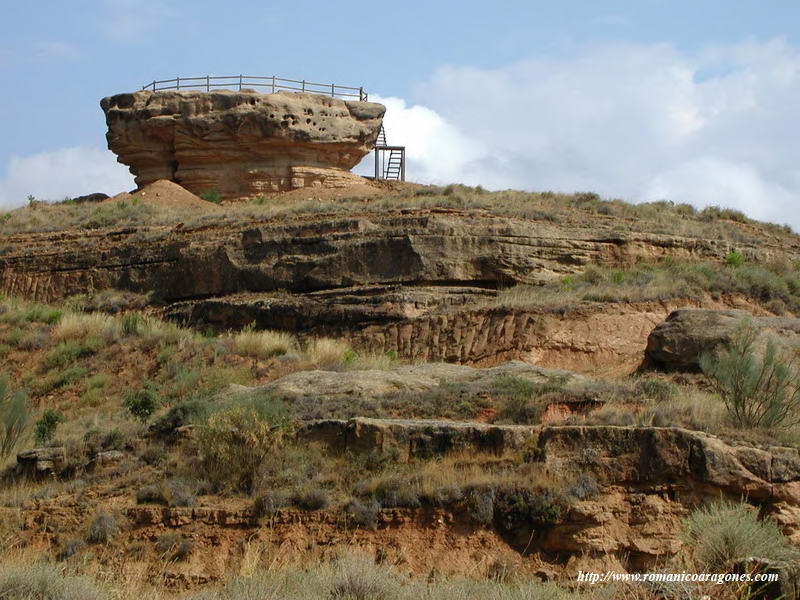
45	428
141	403
132	323
70	351
517	507
758	389
180	415
42	314
735	259
717	535
14	417
58	378
211	196
523	401
234	443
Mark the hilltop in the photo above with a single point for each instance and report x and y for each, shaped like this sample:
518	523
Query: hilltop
481	393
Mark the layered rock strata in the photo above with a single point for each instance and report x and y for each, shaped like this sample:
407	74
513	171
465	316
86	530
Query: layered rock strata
240	144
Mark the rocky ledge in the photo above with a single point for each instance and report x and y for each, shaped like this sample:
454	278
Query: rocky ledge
240	144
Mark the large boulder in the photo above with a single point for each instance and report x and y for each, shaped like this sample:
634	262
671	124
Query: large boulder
678	343
240	143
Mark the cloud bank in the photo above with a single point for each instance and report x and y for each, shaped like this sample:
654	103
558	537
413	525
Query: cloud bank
636	121
68	172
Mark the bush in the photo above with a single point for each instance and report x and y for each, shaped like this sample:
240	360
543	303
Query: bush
268	503
141	403
735	259
364	514
45	428
132	323
234	443
758	390
180	415
174	547
358	578
518	507
211	196
480	505
102	529
96	440
717	535
68	352
175	492
70	549
311	499
57	379
523	400
656	388
14	417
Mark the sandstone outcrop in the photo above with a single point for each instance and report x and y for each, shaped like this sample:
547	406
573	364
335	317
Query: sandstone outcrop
373	383
679	342
240	144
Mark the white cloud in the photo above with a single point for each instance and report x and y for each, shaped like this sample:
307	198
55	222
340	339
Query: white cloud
436	152
130	21
60	173
637	121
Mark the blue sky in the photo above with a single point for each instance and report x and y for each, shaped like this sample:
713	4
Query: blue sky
691	101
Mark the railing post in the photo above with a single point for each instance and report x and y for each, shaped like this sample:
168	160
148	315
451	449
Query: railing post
377	176
333	90
403	164
273	84
303	86
208	84
240	82
178	83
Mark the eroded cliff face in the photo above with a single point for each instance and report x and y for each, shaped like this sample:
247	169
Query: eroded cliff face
243	143
417	283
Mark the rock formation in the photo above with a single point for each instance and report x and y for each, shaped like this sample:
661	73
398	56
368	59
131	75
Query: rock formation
240	144
677	343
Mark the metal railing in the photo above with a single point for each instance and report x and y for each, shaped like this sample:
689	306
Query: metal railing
273	83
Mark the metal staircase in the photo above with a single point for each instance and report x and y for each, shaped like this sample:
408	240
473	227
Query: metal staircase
390	161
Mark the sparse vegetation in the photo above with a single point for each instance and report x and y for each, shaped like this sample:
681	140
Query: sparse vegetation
662	281
14	417
102	529
45	428
142	403
760	389
715	536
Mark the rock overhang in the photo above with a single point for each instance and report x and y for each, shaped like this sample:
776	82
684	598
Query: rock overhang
240	143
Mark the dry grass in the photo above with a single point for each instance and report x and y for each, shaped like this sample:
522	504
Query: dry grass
775	286
79	326
325	352
577	209
263	344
